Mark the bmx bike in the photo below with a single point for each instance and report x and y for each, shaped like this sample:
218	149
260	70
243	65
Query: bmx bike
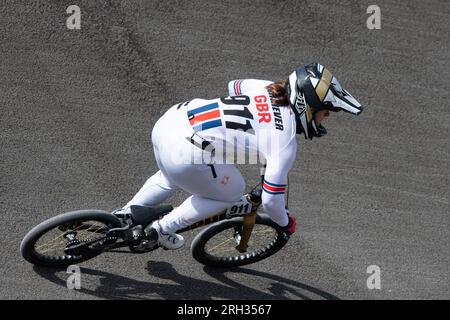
236	236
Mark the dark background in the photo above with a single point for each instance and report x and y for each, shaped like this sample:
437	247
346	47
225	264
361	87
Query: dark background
77	107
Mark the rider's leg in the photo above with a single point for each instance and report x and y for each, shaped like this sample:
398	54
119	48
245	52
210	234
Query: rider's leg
213	189
192	210
155	190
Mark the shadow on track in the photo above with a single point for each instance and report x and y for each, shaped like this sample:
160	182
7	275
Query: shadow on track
111	286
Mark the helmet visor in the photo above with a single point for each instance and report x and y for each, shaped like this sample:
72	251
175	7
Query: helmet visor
341	99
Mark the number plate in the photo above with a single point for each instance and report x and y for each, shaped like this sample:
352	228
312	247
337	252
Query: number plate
239	208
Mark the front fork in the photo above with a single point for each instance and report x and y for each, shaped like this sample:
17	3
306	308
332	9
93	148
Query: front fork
254	198
249	223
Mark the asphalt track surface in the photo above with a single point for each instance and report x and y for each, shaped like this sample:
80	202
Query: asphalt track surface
77	107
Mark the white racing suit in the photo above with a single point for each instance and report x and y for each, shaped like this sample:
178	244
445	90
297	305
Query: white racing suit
242	125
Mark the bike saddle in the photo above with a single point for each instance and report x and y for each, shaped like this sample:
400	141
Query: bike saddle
143	215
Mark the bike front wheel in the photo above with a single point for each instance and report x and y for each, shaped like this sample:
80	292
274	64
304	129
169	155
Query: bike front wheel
216	246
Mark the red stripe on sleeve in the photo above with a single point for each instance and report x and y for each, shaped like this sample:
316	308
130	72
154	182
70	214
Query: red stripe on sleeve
274	189
205	116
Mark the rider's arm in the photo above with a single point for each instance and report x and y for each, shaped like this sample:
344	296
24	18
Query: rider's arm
244	86
275	183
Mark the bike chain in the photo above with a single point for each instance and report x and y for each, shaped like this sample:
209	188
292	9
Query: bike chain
106	240
78	241
73	242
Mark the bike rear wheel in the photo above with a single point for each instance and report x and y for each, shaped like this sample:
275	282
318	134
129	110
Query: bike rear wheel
216	245
46	244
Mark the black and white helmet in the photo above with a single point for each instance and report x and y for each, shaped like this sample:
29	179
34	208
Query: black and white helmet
313	88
